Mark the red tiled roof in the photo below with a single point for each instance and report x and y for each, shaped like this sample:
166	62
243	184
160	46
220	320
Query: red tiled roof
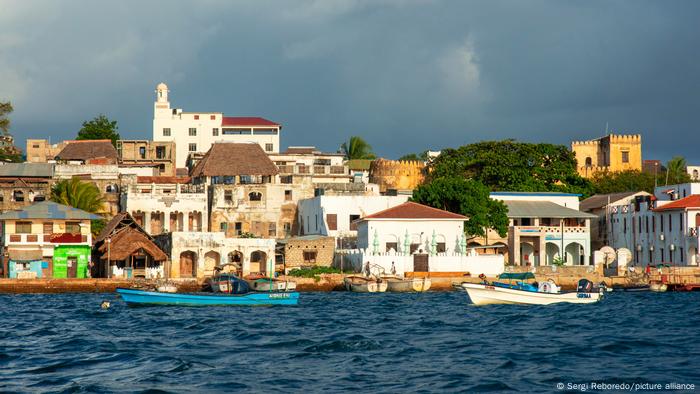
412	210
688	202
246	121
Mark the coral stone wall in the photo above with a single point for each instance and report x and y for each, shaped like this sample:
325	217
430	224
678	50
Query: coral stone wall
394	174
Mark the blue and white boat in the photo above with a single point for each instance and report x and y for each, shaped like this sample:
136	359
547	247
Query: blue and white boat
141	297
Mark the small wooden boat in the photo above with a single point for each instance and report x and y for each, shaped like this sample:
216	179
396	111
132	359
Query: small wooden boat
267	284
407	285
167	288
228	283
491	293
361	284
141	297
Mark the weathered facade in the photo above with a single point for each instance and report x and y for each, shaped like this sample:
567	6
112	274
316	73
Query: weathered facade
305	164
42	151
611	153
308	251
22	184
194	255
105	176
396	175
160	155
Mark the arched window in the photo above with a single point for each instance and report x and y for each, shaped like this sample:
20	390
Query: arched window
111	189
589	162
255	196
695	175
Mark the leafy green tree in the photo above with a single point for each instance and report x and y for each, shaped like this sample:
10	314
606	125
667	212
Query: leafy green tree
513	166
623	181
676	171
5	110
357	148
415	156
81	195
100	128
466	197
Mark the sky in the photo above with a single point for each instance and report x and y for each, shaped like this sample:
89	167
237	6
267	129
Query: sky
405	75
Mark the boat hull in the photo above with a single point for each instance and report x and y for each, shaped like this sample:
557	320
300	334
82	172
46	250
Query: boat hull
277	285
364	285
485	295
658	287
408	285
140	297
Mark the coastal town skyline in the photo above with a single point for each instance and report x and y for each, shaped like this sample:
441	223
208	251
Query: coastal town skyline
376	74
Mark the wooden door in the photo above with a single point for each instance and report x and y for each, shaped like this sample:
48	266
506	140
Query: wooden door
72	266
186	265
420	263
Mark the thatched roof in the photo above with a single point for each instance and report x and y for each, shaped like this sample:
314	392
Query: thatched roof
128	241
231	159
87	150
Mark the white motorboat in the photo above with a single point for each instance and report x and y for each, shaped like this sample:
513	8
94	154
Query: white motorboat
546	293
267	284
658	287
361	284
407	285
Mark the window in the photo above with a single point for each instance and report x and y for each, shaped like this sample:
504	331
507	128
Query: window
353	224
193	131
166	132
238	226
670	222
287	229
639	223
215	132
653	223
392	245
272	229
142	152
680	221
192	148
286	179
661	220
624	225
625	157
662	253
236	131
265	132
646	221
228	196
441	247
255	196
196	117
212	117
160	152
23	227
287	195
332	221
589	162
18	195
73	227
310	256
223	226
36	198
268	147
37	147
682	257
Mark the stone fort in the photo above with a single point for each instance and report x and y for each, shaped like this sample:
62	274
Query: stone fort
611	153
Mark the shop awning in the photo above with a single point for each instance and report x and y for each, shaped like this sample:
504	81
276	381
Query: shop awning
25	254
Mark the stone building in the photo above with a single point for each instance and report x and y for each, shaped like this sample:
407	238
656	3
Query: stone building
22	184
245	193
104	176
396	175
305	164
611	153
160	156
598	205
42	151
308	251
167	204
87	152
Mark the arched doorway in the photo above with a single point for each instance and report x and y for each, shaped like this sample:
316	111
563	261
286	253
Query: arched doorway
527	254
236	258
551	252
258	262
211	260
574	254
188	264
692	256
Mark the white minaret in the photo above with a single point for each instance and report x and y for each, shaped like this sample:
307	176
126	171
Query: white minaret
162	105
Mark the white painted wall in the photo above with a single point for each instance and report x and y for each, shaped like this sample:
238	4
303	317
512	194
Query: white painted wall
475	264
312	211
563	199
447	231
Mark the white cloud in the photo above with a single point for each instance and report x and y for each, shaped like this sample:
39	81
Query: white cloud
459	70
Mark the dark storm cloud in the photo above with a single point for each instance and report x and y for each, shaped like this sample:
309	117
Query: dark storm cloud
405	75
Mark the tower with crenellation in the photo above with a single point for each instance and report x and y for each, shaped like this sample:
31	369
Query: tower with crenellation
613	153
398	175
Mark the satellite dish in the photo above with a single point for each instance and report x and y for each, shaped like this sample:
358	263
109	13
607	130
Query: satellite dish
609	255
624	253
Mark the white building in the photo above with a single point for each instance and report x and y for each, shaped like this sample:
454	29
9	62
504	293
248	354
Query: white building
694	172
543	227
412	237
195	132
659	229
335	215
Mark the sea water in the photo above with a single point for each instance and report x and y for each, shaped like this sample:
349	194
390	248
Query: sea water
333	342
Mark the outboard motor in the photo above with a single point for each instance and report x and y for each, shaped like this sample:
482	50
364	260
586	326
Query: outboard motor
584	286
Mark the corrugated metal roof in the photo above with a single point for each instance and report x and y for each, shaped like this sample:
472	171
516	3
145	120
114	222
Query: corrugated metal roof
32	170
49	210
543	209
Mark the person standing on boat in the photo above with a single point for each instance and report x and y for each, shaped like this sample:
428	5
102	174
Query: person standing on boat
393	268
367	271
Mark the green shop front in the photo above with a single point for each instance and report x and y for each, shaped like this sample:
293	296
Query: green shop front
71	261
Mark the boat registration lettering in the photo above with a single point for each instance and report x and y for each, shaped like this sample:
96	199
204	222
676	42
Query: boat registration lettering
583	295
279	295
490	287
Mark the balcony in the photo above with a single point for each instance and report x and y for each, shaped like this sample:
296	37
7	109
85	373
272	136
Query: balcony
551	229
312	170
55	238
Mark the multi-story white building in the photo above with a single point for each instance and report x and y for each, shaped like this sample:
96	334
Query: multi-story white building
195	132
658	229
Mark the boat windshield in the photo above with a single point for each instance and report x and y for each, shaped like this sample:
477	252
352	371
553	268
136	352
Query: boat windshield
517	276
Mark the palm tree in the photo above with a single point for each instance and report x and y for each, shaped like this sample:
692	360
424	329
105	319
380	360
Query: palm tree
676	170
77	194
357	148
